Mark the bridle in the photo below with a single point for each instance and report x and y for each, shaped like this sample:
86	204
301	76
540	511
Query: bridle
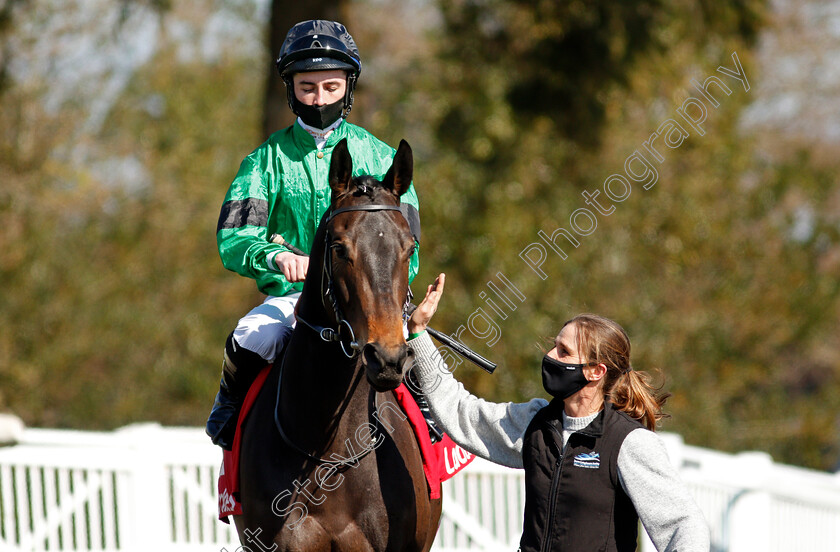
334	335
331	335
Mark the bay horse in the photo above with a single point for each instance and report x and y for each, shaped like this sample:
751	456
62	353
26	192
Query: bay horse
328	460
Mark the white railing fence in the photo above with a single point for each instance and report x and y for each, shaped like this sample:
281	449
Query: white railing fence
145	487
139	488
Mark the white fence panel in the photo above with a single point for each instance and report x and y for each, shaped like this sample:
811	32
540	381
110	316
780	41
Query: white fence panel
55	507
482	509
150	488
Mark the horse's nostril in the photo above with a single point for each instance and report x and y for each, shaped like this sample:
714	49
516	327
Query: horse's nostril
371	355
378	357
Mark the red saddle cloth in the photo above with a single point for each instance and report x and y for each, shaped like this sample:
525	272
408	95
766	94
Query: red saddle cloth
441	460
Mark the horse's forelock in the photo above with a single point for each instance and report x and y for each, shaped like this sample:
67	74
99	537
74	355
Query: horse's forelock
369	187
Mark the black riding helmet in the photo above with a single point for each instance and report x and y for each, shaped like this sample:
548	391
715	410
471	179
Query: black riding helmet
319	45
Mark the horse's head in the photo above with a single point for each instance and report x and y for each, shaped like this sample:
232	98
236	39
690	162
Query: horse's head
368	247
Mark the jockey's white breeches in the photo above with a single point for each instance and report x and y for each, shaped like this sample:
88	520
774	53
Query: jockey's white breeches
266	329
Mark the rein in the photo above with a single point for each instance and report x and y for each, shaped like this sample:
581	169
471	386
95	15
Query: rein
323	461
332	335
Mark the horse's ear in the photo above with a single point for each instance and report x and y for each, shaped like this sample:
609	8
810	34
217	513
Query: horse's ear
398	178
341	168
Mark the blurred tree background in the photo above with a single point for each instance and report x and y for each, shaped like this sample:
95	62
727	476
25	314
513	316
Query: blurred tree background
121	127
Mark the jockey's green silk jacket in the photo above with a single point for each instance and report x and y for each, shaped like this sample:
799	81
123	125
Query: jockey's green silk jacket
282	187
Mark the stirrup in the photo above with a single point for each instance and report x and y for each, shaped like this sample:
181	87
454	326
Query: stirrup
435	434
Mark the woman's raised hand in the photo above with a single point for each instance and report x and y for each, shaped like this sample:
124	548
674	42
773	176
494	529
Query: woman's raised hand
426	309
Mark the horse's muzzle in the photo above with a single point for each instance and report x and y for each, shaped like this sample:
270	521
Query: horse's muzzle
386	366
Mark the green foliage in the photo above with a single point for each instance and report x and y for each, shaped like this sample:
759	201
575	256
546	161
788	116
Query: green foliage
559	60
121	305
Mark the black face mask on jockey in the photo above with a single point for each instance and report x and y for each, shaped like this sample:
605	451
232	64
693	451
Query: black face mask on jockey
318	116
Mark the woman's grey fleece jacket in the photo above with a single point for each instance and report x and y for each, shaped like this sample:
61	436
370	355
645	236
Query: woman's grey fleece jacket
495	431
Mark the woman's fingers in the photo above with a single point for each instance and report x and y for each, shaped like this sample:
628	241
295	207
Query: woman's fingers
436	291
427	307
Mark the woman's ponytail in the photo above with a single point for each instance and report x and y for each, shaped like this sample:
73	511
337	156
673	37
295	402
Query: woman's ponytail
633	393
603	341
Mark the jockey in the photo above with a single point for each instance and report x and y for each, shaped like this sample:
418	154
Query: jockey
282	187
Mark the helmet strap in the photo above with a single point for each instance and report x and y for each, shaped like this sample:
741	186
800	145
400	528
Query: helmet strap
290	91
348	94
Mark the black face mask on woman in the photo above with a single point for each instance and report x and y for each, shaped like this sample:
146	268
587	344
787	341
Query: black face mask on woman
562	379
319	116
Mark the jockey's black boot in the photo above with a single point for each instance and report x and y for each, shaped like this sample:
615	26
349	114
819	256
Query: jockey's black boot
239	370
413	386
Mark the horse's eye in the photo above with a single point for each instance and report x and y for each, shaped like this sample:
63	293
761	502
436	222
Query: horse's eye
340	250
412	250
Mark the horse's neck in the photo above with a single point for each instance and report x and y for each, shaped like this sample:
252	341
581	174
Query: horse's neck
321	388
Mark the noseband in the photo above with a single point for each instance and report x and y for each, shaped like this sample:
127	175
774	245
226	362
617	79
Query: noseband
352	347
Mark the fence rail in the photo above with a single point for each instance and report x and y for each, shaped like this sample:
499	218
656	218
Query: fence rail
146	487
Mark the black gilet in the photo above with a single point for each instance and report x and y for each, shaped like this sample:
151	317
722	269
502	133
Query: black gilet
573	499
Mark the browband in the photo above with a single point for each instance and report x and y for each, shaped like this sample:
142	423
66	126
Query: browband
373	207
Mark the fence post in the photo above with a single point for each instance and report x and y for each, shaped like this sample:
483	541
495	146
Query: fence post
146	527
747	520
